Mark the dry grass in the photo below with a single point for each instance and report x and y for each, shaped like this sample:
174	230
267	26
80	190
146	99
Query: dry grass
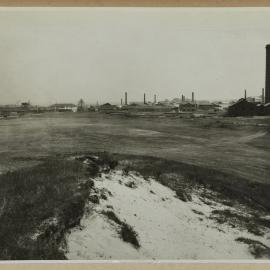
40	204
126	232
256	248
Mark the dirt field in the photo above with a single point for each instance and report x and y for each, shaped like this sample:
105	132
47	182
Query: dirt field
239	146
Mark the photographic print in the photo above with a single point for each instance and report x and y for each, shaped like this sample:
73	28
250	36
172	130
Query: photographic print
134	133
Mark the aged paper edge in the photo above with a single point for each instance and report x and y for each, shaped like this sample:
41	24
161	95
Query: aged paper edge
196	265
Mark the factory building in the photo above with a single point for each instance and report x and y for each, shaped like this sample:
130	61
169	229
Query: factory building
242	108
107	108
188	106
249	106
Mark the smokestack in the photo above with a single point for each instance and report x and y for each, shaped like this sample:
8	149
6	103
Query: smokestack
263	96
155	99
183	98
245	94
267	75
126	98
144	99
192	96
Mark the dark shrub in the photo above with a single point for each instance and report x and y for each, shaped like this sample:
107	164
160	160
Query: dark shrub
129	235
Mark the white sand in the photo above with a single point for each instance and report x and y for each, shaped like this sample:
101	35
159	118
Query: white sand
167	227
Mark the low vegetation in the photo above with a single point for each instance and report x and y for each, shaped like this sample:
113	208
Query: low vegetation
126	232
183	178
38	206
258	249
251	223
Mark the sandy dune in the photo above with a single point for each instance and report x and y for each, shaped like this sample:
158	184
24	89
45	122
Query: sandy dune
167	227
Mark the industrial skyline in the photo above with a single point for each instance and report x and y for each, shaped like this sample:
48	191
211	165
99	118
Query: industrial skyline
61	55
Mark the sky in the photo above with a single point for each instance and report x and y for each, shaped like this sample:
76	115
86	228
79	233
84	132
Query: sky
50	55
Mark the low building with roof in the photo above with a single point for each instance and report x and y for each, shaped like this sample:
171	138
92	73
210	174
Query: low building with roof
64	107
107	108
207	106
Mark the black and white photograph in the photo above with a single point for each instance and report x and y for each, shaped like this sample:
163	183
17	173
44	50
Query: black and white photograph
135	133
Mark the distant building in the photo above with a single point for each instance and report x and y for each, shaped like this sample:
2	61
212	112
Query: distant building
242	108
263	109
107	108
92	109
251	99
267	109
144	108
25	105
64	107
208	106
187	106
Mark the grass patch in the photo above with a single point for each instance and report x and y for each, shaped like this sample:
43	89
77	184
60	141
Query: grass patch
231	188
111	215
250	223
256	248
126	232
39	205
197	212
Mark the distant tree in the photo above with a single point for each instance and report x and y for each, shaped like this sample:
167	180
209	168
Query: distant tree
81	106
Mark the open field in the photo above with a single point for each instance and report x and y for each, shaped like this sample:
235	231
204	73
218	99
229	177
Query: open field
234	145
54	174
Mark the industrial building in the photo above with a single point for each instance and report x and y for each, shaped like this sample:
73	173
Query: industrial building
63	107
249	106
242	108
187	106
107	108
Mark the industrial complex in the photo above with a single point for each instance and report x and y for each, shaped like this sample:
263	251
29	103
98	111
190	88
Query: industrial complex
183	106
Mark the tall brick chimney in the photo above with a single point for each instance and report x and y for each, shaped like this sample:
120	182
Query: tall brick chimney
267	75
144	99
263	96
125	98
192	96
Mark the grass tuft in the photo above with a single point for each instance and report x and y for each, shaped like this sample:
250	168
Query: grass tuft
126	232
256	248
129	235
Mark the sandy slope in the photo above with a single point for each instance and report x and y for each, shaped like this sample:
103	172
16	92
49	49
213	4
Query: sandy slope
167	227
